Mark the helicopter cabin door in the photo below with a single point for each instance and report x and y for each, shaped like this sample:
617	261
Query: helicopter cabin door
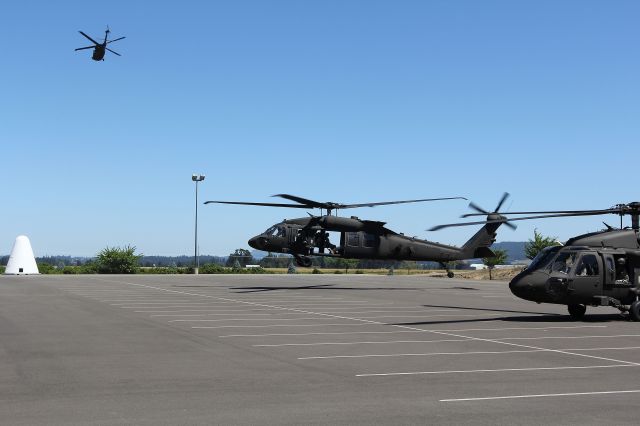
587	278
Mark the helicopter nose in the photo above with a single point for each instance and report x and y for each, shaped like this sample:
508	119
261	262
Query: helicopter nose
528	286
258	242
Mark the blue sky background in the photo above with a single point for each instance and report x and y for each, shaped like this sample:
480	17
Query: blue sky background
349	101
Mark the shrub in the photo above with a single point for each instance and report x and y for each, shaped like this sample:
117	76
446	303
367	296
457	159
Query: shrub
211	268
316	271
46	268
118	260
358	271
337	271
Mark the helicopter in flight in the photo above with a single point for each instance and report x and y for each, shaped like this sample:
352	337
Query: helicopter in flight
99	49
363	239
594	269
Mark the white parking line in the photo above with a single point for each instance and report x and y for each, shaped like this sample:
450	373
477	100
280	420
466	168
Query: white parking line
287	325
431	316
247	319
426	354
361	343
568	337
208	315
463	353
420	331
545	395
206	310
411	331
499	370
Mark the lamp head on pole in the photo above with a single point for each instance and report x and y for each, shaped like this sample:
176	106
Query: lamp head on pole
197	178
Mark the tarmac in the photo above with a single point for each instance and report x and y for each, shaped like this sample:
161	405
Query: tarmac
306	349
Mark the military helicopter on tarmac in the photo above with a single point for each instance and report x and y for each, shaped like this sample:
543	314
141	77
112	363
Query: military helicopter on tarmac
596	269
362	239
99	49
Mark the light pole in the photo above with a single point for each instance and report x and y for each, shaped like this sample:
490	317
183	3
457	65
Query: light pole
196	179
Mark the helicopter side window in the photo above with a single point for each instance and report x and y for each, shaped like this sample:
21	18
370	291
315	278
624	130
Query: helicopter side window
622	276
270	231
564	263
282	232
353	239
588	266
369	240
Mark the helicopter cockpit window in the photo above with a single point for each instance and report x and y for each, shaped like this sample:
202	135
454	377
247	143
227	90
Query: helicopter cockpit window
282	231
564	262
543	258
588	266
270	231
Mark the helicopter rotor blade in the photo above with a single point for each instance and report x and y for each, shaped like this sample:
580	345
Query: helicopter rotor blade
88	47
502	200
305	201
539	212
330	205
505	220
113	51
477	208
111	41
510	226
243	203
383	203
92	40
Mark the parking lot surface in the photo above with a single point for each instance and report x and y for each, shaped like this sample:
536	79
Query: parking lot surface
305	349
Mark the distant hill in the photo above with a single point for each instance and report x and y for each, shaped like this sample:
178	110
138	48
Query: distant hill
515	249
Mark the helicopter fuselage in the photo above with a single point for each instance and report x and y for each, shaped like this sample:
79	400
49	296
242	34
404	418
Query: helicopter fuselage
359	239
597	269
98	53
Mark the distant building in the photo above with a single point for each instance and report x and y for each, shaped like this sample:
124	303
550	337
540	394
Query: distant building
478	266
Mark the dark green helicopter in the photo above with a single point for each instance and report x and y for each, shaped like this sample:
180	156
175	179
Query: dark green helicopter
99	49
363	239
594	269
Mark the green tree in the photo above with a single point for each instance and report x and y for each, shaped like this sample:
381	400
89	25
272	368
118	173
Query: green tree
499	258
118	260
242	256
535	246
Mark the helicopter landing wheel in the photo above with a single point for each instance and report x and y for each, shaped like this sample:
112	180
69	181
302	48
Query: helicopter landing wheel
450	274
634	310
577	311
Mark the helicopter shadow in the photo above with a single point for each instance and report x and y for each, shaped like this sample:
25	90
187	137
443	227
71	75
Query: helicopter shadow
526	317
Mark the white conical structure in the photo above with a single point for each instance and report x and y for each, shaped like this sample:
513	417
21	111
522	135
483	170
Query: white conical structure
21	261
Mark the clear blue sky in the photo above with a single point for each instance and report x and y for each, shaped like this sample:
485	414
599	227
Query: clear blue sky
349	101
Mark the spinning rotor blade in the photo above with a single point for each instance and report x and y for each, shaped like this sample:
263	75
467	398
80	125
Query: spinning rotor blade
502	200
331	206
111	41
88	47
304	201
116	53
92	40
383	203
548	212
298	206
480	210
506	221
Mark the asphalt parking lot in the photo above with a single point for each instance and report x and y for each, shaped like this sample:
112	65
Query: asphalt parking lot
305	349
